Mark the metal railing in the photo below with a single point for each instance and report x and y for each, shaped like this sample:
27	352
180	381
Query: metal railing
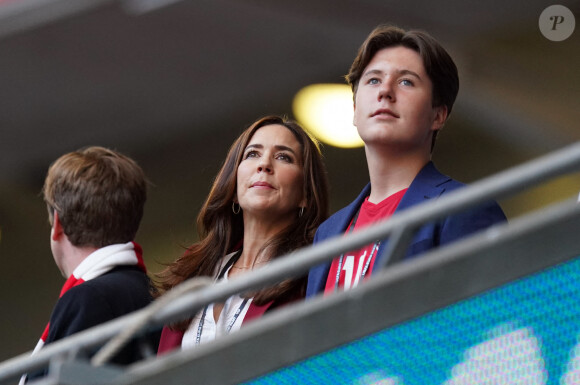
406	291
396	228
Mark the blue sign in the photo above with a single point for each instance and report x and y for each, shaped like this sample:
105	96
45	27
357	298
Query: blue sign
524	332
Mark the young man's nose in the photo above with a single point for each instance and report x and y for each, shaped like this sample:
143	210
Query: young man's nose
386	91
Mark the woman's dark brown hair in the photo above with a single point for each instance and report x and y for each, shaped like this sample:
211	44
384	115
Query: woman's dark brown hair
221	231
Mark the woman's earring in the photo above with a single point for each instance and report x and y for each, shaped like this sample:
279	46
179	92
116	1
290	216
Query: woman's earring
234	208
301	212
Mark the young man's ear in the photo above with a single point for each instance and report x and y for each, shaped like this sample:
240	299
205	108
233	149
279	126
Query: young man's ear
439	117
56	231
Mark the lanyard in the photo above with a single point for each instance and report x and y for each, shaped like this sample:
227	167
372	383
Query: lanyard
228	327
222	273
341	259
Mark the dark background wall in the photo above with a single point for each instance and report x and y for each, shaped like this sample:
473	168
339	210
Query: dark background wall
173	88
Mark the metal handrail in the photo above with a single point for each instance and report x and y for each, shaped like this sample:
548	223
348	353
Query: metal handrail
395	297
299	262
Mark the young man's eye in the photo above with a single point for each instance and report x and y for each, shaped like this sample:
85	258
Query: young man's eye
373	81
406	82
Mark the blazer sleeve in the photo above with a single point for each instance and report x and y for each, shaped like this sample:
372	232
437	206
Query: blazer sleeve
317	274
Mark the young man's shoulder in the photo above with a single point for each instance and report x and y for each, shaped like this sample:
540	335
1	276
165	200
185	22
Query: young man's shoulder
129	287
119	292
130	280
122	275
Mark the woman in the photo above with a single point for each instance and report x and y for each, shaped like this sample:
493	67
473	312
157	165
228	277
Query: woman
268	199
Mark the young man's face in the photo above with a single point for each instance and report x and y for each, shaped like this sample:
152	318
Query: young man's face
393	102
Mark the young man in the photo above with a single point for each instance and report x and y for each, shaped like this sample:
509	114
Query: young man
404	86
95	199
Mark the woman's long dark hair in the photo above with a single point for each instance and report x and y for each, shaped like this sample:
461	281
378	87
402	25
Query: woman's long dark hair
221	231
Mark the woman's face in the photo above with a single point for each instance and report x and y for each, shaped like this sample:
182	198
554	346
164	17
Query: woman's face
270	175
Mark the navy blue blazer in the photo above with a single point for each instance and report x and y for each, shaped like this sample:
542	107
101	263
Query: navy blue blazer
428	184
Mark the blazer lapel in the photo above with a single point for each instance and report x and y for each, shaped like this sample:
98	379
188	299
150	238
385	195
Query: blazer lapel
428	184
336	224
351	210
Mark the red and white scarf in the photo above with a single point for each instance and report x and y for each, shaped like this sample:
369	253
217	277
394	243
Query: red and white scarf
96	264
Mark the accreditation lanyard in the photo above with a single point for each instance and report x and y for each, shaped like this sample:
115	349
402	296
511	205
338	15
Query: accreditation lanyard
228	327
367	262
236	314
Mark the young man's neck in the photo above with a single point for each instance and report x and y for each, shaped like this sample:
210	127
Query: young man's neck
74	256
392	172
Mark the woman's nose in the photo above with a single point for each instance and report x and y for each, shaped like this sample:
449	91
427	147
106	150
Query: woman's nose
264	165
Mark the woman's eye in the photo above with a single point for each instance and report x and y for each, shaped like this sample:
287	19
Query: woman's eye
251	154
373	81
284	157
406	82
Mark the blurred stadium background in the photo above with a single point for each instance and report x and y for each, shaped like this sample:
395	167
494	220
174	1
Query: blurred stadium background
174	85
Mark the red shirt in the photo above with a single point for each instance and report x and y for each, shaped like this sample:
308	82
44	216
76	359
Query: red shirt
359	264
